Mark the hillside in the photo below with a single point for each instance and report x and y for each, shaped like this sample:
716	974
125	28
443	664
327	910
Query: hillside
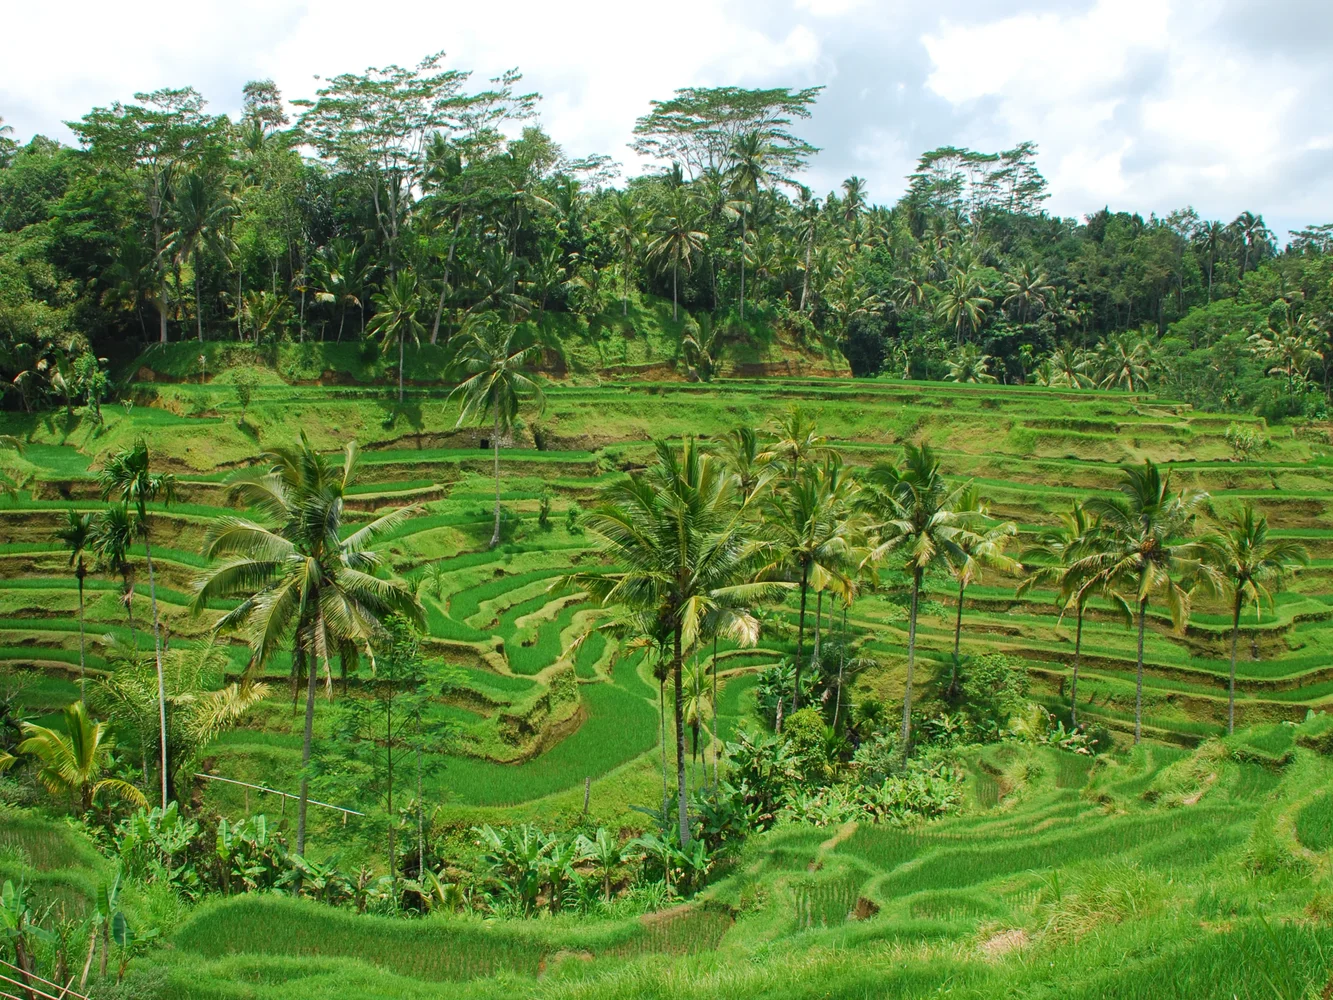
1055	867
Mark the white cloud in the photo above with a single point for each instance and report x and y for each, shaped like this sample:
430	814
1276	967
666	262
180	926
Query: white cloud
1148	104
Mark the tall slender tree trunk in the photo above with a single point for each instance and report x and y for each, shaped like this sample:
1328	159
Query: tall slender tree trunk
495	446
240	335
1231	683
1138	677
911	664
306	739
957	637
800	642
198	305
388	757
444	285
401	338
805	278
161	681
83	682
742	262
842	663
717	742
1078	650
682	793
661	712
675	280
421	816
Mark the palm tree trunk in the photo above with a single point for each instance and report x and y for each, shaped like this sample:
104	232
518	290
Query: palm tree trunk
682	794
495	446
742	262
800	643
83	682
1073	687
304	800
957	636
444	285
1138	677
661	714
388	758
911	664
1231	684
717	748
842	663
157	649
675	280
805	278
198	306
400	369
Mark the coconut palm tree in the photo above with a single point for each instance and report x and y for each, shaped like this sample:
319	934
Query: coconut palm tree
1249	565
677	530
980	547
194	716
1069	368
915	514
112	535
1028	293
628	222
969	365
680	236
128	476
961	303
743	453
751	156
75	762
395	319
1123	361
1051	562
202	210
76	535
1146	552
298	579
493	359
810	531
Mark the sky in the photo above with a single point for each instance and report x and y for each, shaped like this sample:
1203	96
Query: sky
1140	105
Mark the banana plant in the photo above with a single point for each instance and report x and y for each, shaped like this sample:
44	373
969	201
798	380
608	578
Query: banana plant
604	851
19	926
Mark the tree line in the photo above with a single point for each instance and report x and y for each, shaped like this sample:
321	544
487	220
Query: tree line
401	203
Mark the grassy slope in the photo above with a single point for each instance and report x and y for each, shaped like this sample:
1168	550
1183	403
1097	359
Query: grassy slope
1162	874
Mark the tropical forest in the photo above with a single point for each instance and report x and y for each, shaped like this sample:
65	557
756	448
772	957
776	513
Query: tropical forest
438	563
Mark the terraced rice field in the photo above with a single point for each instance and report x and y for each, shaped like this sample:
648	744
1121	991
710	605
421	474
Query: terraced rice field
531	712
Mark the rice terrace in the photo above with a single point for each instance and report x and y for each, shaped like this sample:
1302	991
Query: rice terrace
437	564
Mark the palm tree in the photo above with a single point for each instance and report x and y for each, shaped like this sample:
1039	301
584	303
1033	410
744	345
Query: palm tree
680	236
1052	561
111	537
300	581
1249	565
76	535
809	529
961	303
194	716
969	365
980	547
1123	360
751	155
202	210
1028	291
677	530
1069	367
916	514
496	385
336	270
743	453
129	476
628	222
395	317
1145	551
1210	237
75	761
